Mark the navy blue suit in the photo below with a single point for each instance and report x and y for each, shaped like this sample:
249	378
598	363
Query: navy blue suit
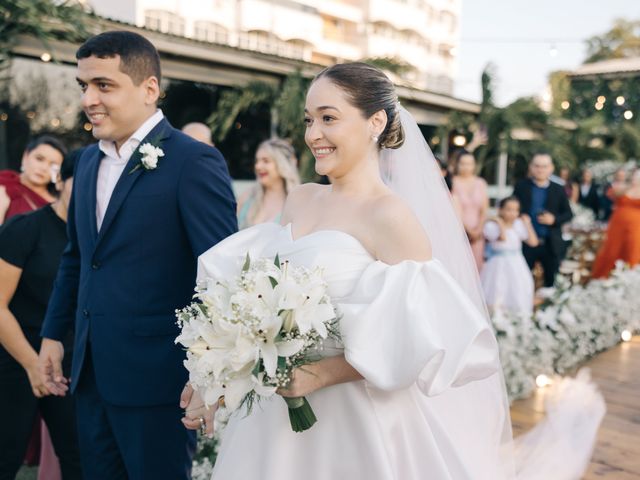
119	289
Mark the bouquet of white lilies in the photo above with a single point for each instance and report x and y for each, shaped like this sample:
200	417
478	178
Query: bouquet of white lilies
245	335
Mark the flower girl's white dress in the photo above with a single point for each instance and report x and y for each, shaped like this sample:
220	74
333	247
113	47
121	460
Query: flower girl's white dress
506	279
430	405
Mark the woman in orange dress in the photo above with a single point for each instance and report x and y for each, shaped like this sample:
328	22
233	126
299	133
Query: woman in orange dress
623	233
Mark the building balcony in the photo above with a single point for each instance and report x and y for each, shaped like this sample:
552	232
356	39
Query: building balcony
346	10
340	49
401	15
287	21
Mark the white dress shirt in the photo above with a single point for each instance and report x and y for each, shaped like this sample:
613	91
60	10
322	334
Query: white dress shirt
584	189
114	161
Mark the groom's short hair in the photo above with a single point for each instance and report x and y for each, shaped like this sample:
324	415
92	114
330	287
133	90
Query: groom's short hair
138	57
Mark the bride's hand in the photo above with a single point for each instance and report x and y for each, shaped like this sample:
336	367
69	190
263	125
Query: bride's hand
304	380
197	415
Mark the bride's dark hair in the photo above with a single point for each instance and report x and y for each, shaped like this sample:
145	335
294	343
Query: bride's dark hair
370	91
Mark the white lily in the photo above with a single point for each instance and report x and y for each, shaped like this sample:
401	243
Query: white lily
237	386
314	316
262	389
270	350
305	304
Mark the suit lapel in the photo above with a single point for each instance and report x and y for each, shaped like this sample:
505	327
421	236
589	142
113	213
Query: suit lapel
94	166
128	178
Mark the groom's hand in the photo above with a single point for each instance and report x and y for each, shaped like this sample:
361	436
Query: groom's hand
50	366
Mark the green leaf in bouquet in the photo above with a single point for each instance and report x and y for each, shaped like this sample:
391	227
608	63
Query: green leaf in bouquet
276	261
274	282
247	263
202	307
282	363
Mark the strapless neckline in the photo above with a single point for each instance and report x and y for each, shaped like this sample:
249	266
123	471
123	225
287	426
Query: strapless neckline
325	231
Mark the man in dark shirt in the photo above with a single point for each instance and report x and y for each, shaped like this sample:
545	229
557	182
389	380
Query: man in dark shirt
588	194
548	207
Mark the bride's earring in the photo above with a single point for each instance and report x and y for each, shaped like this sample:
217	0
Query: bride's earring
375	138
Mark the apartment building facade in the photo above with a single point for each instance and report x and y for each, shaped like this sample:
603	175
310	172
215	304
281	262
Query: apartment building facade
424	34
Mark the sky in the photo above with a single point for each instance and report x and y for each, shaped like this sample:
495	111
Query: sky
518	36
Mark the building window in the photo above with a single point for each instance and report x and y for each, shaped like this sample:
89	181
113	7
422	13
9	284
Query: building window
210	32
294	49
260	41
164	21
339	30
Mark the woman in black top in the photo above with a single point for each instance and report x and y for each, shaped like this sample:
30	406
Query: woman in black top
30	250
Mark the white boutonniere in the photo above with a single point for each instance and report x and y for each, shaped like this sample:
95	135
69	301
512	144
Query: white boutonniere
149	157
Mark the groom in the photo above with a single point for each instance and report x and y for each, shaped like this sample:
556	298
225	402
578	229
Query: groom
147	201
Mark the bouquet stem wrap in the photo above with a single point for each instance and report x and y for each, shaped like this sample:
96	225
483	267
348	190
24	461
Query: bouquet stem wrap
301	414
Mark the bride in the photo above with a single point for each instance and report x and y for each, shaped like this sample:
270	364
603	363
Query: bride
414	390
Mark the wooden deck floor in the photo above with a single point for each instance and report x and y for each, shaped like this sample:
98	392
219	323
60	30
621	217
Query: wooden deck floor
617	452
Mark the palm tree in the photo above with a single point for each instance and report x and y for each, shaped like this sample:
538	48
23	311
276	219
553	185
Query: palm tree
286	102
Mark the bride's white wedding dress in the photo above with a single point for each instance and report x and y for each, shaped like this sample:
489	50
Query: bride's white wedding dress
426	355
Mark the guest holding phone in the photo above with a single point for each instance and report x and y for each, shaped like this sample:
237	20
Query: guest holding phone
548	206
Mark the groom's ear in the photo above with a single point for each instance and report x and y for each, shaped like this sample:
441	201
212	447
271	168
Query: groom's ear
152	90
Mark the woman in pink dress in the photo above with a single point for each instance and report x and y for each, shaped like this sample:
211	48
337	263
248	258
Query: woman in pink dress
470	193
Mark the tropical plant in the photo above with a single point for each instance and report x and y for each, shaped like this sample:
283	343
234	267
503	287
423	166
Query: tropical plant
622	41
286	102
44	19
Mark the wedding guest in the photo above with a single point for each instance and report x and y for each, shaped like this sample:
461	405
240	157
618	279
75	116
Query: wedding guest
623	233
30	249
24	192
506	279
548	206
198	131
470	191
568	183
588	192
480	137
276	173
28	190
612	191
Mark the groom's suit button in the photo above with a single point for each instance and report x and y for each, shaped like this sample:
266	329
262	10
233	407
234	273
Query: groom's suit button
95	265
85	313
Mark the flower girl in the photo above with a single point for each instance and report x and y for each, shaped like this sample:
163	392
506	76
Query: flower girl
506	278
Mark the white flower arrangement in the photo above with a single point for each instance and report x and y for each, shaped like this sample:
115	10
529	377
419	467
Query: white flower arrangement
571	326
245	335
583	218
603	170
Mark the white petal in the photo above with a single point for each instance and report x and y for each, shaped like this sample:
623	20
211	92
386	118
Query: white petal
236	390
289	347
260	388
212	394
269	357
